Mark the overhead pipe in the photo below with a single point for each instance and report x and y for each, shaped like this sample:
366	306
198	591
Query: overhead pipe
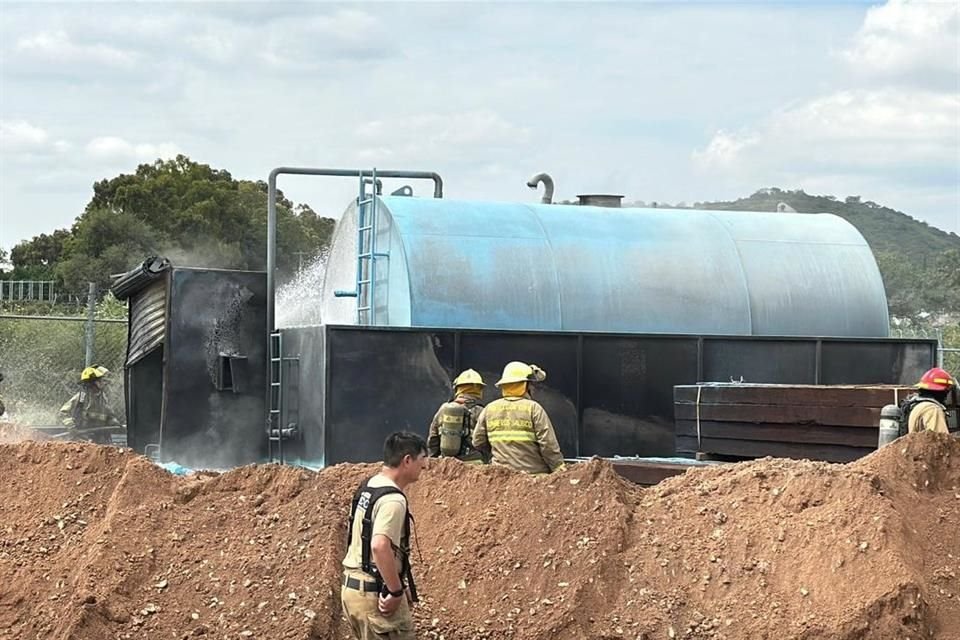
547	181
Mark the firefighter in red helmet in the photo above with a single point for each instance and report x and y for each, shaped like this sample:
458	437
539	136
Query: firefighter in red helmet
930	411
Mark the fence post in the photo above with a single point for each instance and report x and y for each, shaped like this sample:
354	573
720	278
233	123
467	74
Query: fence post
91	310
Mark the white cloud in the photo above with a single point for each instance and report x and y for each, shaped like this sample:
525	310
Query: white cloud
58	46
484	94
904	37
891	134
304	44
725	148
898	148
860	129
26	140
20	134
113	148
477	136
477	127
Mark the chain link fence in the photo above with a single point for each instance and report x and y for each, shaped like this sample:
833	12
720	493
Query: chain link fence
948	343
41	358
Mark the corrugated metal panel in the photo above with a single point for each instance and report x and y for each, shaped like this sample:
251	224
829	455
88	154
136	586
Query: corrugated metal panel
490	265
148	320
137	279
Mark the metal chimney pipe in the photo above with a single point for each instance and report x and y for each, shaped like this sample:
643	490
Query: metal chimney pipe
547	186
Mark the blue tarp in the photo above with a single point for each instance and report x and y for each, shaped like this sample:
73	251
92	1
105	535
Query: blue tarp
175	469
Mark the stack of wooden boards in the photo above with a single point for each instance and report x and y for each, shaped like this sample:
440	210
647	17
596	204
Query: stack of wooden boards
832	423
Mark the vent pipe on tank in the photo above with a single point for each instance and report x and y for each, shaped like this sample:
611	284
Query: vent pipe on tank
547	181
600	200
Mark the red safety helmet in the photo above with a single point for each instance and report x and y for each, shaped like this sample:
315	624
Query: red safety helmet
936	380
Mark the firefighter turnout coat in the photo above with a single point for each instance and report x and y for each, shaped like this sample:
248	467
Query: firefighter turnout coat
518	433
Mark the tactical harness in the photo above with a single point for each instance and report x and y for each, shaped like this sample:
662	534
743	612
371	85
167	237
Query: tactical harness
366	497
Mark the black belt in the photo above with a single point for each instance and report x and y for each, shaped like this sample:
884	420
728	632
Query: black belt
360	585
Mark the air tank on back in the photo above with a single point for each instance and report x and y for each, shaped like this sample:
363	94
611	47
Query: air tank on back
543	267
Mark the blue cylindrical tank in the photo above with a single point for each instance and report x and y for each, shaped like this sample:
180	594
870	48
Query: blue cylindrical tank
490	265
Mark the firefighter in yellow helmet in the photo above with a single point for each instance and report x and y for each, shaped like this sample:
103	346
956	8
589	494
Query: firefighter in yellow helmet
515	431
451	430
87	412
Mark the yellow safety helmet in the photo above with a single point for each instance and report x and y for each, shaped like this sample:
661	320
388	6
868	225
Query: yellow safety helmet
93	373
521	372
468	377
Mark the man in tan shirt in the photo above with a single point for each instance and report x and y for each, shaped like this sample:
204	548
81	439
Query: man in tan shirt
929	412
515	431
377	581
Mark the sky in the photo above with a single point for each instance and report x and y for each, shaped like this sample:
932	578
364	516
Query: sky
668	102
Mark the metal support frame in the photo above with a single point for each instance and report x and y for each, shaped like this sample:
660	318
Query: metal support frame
272	231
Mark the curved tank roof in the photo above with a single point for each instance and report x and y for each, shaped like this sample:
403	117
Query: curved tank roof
489	265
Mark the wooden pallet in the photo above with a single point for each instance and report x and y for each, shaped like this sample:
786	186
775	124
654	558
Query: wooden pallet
832	423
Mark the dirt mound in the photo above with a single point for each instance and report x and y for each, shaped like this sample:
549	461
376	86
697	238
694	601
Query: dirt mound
97	543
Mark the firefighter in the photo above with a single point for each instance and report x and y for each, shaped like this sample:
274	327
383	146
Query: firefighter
515	431
2	408
929	410
451	431
377	585
87	412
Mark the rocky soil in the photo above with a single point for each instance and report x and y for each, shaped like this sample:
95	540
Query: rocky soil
97	543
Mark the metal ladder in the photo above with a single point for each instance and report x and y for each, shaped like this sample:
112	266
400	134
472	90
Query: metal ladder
367	254
282	421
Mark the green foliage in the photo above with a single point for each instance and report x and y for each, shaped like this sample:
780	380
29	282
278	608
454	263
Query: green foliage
104	243
37	259
187	211
110	307
42	359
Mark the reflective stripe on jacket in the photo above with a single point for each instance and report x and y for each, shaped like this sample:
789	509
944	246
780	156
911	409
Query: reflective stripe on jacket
519	434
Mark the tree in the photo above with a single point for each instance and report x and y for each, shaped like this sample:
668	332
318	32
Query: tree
37	258
195	215
104	243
